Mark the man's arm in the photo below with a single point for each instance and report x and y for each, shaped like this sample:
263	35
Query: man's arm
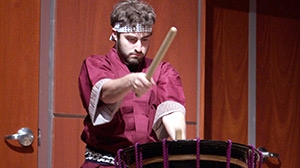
175	122
115	90
169	118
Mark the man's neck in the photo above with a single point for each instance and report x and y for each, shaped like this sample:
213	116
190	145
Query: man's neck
133	68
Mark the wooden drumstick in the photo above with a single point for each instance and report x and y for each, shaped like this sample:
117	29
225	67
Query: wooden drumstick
178	135
161	52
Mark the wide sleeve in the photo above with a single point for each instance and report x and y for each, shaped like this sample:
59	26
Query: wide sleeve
95	71
171	98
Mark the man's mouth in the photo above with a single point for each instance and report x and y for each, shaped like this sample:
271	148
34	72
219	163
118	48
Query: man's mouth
136	55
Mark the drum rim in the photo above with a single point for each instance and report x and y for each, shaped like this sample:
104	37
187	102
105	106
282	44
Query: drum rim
128	154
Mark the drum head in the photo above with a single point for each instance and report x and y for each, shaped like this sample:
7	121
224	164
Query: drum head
182	153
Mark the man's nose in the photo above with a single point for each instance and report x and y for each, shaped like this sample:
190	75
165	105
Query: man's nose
138	46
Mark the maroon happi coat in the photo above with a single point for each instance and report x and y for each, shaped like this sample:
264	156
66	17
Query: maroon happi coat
134	120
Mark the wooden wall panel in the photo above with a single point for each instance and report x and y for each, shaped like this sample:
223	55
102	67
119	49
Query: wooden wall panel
226	79
278	81
82	29
68	149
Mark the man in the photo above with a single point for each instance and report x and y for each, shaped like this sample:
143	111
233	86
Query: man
109	86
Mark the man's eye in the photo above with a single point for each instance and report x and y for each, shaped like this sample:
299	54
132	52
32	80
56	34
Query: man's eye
131	39
145	39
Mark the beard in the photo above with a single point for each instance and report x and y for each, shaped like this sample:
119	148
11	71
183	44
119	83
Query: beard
127	58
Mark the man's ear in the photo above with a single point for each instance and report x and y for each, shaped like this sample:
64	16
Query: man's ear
114	35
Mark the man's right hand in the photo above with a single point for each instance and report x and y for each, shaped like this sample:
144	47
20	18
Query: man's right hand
139	84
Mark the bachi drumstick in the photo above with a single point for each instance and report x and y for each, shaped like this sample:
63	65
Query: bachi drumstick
161	52
178	134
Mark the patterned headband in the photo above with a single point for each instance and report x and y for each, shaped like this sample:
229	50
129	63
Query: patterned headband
129	29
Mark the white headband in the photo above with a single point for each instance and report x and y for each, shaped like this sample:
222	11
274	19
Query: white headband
129	29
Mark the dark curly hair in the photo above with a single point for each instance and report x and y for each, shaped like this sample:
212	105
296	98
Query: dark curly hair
131	13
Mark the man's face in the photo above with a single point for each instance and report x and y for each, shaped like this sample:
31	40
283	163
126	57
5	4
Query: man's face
133	47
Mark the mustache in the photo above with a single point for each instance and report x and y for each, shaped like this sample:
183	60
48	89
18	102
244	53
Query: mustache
137	53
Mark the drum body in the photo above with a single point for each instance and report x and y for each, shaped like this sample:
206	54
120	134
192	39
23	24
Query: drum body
189	154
